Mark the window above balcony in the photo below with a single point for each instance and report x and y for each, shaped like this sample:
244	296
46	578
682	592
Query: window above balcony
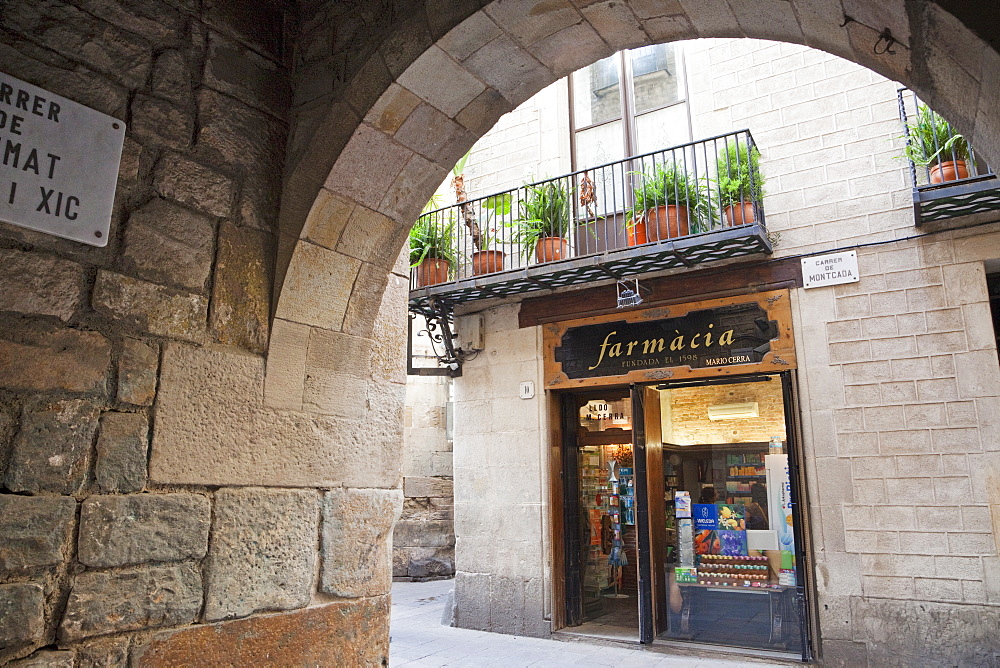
684	206
949	180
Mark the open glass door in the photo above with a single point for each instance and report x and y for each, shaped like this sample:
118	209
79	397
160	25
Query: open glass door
652	511
600	516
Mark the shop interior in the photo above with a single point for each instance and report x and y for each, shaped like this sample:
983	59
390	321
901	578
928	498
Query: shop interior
728	562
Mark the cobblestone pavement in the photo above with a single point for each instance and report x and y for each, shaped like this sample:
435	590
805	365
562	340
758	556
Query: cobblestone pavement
417	638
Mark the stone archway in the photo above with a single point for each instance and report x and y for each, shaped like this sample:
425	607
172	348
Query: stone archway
454	90
402	145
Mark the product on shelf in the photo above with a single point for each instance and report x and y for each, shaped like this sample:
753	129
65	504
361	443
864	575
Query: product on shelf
734	571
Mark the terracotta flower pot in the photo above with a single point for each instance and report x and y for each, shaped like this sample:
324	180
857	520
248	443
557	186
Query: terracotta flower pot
951	170
487	262
740	213
668	222
636	233
550	249
432	271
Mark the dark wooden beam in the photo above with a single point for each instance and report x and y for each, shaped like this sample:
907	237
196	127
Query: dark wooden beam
686	287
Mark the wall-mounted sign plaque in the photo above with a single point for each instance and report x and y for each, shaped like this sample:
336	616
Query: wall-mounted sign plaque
733	335
58	163
831	269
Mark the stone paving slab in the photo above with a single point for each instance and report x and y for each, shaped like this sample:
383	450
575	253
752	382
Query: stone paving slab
419	639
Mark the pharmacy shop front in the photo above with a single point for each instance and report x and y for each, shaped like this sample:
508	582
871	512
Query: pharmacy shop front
678	476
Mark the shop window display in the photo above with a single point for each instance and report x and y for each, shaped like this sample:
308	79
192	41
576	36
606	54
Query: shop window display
731	571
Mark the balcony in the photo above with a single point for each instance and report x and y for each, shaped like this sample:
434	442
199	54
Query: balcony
680	207
949	180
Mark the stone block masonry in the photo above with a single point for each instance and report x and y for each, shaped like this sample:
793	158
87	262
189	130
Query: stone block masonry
265	102
94	554
423	542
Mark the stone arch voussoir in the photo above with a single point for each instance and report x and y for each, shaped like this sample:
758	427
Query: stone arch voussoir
345	216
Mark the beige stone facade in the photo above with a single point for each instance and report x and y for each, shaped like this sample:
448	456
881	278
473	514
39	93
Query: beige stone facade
242	332
897	381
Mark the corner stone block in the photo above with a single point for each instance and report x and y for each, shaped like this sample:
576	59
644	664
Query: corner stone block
160	123
318	287
102	603
354	633
417	533
262	555
148	307
357	525
22	617
139	528
122	446
242	288
430	562
105	652
46	659
195	185
137	372
36	532
167	243
415	486
66	359
52	451
40	284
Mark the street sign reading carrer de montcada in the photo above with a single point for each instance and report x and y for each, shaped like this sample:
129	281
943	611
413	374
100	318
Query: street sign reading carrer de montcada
58	163
831	269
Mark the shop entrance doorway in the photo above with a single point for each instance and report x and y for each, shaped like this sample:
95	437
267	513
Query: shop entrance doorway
680	516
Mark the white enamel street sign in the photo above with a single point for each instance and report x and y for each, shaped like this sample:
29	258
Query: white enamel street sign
58	163
831	269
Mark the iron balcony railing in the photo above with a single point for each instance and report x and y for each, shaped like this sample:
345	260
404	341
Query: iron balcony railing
646	202
949	179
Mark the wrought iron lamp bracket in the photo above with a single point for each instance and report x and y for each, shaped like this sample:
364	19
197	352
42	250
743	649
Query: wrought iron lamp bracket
439	327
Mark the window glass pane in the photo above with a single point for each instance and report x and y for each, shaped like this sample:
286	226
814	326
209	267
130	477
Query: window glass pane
597	93
662	128
596	146
655	76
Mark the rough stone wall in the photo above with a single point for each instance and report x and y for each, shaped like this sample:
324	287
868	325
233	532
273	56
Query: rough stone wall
423	541
115	361
344	278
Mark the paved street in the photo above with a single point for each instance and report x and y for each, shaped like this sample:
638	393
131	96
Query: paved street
419	639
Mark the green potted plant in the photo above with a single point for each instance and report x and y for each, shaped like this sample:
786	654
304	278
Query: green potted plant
544	220
667	202
931	141
739	181
431	250
486	259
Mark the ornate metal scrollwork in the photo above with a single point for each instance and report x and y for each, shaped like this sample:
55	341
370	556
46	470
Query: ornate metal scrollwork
439	327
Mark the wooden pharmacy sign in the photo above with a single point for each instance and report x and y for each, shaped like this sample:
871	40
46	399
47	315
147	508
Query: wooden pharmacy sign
732	335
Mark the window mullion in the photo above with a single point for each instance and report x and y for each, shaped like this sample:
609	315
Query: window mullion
628	103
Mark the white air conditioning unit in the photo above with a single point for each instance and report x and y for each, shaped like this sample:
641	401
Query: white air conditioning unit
733	411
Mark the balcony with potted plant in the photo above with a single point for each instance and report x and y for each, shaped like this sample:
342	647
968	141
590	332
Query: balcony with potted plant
656	212
949	180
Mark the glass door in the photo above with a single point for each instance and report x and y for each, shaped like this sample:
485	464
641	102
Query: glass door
601	517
